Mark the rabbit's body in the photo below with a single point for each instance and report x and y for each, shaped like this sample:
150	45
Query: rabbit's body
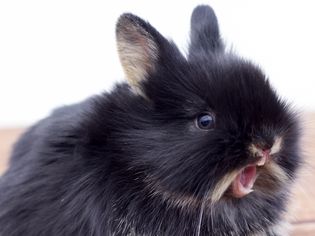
172	154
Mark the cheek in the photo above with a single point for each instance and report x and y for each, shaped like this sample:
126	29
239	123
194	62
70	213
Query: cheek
271	178
278	174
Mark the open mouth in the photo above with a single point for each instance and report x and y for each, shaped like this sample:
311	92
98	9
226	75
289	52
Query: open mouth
245	179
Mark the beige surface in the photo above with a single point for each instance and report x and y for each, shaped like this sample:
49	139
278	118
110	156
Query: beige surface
7	139
302	207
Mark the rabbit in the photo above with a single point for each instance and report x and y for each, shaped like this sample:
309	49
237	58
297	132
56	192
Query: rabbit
190	145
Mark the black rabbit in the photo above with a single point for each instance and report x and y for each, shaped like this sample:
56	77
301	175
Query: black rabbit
196	145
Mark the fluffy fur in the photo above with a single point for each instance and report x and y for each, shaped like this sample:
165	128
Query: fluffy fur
126	163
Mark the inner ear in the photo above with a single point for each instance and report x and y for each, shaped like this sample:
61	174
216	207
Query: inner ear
137	48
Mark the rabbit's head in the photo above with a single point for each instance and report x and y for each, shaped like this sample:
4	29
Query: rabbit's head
206	125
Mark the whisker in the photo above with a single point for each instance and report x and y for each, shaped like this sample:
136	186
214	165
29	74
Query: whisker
201	213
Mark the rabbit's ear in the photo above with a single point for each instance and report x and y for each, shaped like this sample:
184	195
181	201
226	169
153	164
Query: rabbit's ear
138	48
204	32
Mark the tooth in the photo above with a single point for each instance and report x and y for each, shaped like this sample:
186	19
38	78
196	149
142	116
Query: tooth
246	191
262	161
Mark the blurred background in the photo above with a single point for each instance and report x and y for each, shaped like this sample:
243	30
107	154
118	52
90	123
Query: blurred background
62	51
59	52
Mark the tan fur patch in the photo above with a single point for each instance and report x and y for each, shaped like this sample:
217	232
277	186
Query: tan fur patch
275	170
173	198
223	185
276	146
185	201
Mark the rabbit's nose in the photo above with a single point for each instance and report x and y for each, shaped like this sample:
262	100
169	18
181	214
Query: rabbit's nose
264	147
264	142
262	150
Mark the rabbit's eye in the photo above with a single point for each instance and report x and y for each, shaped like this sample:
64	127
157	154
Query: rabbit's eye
205	121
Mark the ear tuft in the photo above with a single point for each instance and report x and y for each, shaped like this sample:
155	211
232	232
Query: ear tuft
137	48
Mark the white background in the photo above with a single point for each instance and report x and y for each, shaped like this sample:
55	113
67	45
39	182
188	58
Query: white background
62	51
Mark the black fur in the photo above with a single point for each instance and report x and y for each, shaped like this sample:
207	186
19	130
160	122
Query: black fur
125	164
